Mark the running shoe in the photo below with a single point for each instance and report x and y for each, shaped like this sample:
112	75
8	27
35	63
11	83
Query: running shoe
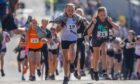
23	78
39	72
2	73
32	78
66	80
76	75
106	76
52	77
82	73
72	68
96	76
92	74
138	76
46	77
117	76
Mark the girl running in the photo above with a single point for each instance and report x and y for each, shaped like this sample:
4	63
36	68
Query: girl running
34	45
128	51
117	58
53	47
5	38
110	54
80	54
22	56
137	54
100	29
44	48
68	23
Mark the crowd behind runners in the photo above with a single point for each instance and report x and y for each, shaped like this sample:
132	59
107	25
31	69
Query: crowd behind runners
73	41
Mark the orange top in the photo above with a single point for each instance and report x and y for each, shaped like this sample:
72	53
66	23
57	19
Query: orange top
33	41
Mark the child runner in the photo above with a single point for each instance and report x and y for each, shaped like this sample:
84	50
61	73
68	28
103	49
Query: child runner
137	54
100	34
117	58
5	38
53	46
128	51
68	23
34	45
22	56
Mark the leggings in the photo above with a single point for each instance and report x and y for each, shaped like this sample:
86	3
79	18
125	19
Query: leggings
129	65
81	50
44	51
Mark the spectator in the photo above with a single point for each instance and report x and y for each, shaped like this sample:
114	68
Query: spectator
123	32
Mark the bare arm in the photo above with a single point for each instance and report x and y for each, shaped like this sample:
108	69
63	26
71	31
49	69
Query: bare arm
91	27
19	30
58	28
113	24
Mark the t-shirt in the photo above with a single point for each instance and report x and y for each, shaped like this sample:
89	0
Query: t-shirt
127	44
101	30
70	26
8	23
43	33
54	44
33	41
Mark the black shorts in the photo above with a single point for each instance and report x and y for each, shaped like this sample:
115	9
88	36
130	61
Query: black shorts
118	57
66	44
21	59
91	49
137	56
110	52
34	50
3	50
8	23
54	52
97	42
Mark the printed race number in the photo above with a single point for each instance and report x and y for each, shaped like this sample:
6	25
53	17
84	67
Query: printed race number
79	35
71	26
102	34
34	40
22	54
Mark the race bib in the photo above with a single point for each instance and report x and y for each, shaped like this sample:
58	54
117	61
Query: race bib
52	46
71	26
102	34
34	40
79	35
22	54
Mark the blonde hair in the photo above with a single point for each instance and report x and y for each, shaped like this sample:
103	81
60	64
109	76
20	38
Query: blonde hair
69	4
46	20
100	9
81	10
